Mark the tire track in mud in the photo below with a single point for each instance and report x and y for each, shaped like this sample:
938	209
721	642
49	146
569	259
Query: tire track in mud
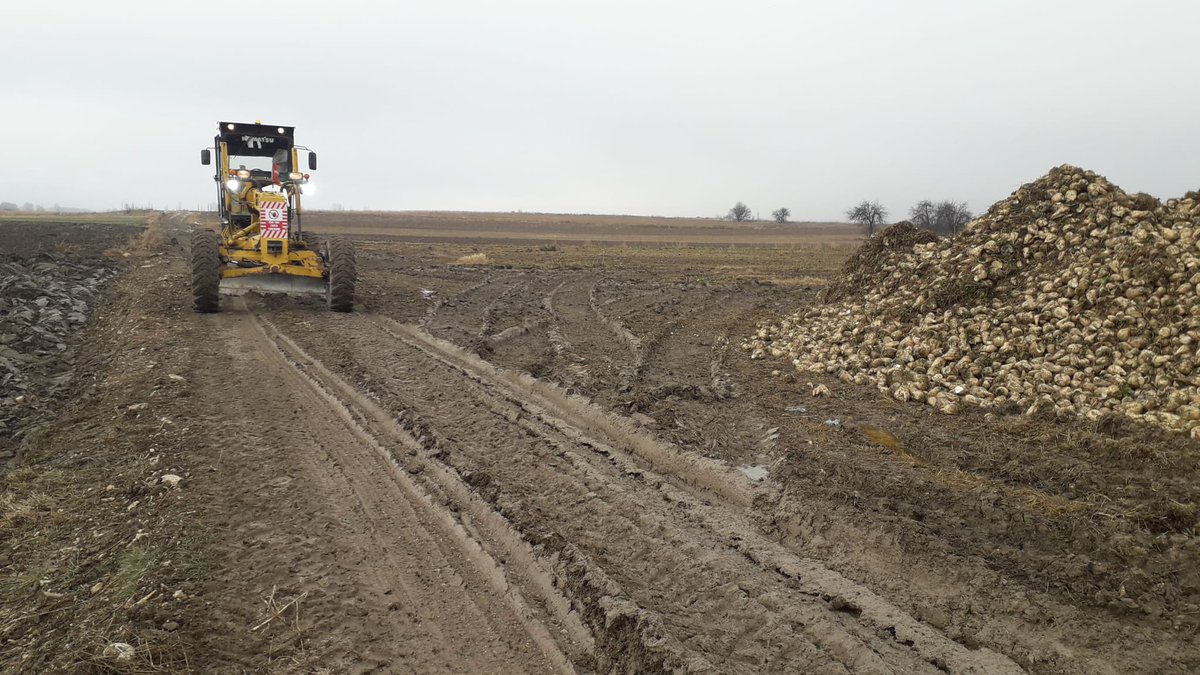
665	353
577	417
475	305
406	522
629	638
692	582
617	328
440	301
497	317
488	323
513	332
660	368
592	347
521	312
554	330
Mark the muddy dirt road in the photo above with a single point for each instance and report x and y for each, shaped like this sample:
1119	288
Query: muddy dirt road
569	467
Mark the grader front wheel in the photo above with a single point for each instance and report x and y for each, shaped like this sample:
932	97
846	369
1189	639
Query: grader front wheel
343	272
206	271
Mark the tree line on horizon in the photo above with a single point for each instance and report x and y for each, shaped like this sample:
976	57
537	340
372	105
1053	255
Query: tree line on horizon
946	217
30	207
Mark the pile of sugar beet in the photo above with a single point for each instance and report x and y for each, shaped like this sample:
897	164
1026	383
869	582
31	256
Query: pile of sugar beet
1069	296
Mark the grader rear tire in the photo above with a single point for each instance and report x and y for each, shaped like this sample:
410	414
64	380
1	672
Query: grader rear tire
206	271
343	272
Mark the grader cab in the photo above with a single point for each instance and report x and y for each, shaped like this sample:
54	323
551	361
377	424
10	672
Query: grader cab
262	244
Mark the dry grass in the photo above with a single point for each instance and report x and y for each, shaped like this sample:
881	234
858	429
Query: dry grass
473	259
17	511
151	241
276	608
134	565
285	631
164	654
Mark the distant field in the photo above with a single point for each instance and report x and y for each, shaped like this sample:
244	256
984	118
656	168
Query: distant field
795	265
484	228
115	218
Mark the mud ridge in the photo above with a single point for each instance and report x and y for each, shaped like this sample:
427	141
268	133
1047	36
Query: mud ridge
514	332
560	344
807	576
455	497
618	328
718	379
489	312
439	301
692	471
623	636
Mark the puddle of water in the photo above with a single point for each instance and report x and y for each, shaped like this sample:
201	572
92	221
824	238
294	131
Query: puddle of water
755	473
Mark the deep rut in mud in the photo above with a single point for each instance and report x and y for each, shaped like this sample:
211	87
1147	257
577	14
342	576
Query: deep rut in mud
686	579
429	596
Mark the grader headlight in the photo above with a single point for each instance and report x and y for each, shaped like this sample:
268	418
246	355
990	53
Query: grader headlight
233	185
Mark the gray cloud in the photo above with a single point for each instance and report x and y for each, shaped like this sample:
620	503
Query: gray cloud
669	108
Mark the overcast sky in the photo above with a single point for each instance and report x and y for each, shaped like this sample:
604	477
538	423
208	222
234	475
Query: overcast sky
648	107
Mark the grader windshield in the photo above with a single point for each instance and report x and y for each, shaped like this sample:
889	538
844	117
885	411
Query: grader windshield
263	154
262	164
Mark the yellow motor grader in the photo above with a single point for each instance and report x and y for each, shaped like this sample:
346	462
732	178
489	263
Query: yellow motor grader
262	244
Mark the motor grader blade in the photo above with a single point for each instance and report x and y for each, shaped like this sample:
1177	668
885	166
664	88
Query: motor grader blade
274	283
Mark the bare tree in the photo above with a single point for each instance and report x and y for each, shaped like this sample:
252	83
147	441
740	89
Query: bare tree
781	214
868	214
945	217
924	215
952	217
739	212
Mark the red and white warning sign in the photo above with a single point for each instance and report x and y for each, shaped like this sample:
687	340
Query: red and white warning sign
273	220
